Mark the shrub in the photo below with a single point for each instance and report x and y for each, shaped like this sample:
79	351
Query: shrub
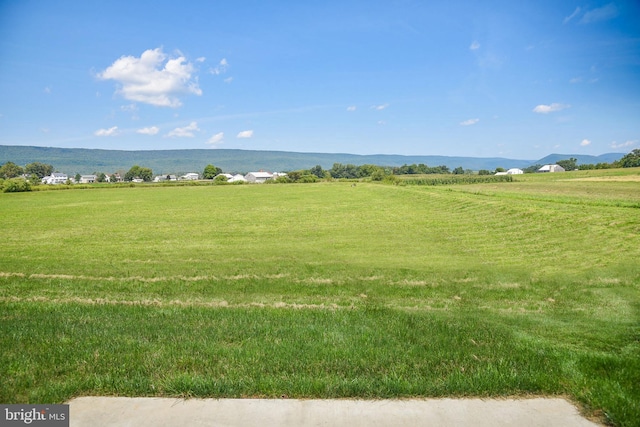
15	185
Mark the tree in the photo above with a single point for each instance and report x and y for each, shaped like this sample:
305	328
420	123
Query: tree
211	172
458	171
631	160
78	177
138	172
38	169
484	172
317	171
10	170
568	165
102	177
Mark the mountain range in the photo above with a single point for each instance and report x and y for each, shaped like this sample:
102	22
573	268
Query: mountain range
86	161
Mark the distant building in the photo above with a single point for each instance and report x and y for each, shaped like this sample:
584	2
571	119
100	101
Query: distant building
551	168
258	177
515	171
237	178
55	178
88	179
190	176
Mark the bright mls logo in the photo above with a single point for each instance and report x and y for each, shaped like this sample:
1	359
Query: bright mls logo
34	415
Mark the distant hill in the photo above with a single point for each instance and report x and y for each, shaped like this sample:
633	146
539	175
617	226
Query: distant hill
582	159
84	161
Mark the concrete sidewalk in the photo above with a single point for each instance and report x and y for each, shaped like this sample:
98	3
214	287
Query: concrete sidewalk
168	412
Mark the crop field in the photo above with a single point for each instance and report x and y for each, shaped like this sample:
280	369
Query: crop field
521	288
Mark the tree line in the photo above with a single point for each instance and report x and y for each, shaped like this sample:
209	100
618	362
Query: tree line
34	172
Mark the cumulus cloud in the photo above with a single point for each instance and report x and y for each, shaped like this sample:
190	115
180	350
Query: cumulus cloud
626	144
245	134
185	132
585	142
222	67
113	131
216	139
546	109
148	130
469	122
474	46
153	78
351	108
379	107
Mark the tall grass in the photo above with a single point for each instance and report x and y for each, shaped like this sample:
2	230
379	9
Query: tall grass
324	290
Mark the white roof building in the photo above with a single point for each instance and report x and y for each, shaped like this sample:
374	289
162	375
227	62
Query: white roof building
237	178
515	171
258	177
551	168
55	178
192	176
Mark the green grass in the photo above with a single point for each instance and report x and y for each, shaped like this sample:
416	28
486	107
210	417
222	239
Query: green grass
529	287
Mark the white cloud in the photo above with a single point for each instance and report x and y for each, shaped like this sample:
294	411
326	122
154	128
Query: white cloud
575	80
47	90
623	144
216	139
379	107
152	78
573	15
245	134
474	46
228	80
222	67
351	108
469	122
546	109
107	132
603	13
585	142
149	130
129	108
201	59
185	132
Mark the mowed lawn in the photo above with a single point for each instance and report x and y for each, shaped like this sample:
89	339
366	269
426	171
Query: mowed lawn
326	290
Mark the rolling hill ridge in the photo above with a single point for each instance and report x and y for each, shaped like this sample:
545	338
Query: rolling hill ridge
84	161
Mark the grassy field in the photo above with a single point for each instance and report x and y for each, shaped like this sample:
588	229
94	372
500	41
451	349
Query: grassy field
520	288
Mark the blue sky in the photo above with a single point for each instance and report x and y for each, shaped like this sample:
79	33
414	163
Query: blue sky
462	78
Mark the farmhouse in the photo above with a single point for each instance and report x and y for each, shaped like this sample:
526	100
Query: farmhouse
88	179
190	176
551	168
161	178
258	177
55	178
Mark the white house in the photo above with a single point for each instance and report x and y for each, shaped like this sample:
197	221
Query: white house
226	175
551	168
258	177
161	178
88	179
192	176
515	171
55	178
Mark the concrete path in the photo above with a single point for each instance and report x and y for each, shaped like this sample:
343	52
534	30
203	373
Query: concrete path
167	412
